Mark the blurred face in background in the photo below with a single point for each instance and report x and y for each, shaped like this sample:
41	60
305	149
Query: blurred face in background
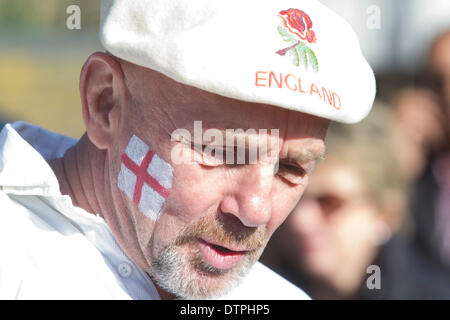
440	65
418	128
333	232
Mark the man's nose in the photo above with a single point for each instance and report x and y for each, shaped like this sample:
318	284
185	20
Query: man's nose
251	201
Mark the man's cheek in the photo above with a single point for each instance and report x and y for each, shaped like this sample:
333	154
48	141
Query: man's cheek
193	193
285	203
145	178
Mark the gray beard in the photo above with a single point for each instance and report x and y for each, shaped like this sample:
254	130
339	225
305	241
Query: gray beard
186	278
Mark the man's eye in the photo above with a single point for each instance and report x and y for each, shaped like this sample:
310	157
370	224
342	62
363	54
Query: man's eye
292	168
291	172
214	156
211	157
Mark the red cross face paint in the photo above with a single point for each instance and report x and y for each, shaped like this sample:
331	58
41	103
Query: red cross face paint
145	178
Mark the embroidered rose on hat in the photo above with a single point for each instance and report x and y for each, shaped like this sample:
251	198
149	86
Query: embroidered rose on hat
298	24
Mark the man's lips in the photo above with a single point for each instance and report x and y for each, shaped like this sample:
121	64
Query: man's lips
219	256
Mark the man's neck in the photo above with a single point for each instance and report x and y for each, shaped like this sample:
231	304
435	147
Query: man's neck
76	175
80	174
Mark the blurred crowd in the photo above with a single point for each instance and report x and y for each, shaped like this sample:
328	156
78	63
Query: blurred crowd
381	197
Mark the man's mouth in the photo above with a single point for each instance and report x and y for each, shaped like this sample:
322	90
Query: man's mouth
218	256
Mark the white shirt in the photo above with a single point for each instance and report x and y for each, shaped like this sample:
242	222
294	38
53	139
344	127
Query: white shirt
50	249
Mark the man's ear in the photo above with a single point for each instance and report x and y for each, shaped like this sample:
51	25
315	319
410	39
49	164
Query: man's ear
102	91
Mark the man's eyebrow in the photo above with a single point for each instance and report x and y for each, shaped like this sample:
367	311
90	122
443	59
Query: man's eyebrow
306	155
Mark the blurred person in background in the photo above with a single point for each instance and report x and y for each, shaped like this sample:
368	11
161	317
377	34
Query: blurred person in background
430	201
350	218
418	128
439	65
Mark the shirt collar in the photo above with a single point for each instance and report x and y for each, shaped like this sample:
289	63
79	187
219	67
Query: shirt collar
24	150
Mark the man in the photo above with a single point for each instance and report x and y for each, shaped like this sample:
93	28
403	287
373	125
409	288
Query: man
143	206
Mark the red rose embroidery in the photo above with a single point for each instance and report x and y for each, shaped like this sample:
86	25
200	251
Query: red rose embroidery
297	31
299	23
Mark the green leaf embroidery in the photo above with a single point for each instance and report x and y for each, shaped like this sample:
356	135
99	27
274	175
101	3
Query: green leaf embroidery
295	56
301	53
313	59
302	50
285	34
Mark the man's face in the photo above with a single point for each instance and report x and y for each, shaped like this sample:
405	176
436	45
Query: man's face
218	217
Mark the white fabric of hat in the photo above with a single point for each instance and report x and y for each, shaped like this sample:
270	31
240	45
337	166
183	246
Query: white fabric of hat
295	54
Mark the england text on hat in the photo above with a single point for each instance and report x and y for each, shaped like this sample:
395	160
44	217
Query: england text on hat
294	83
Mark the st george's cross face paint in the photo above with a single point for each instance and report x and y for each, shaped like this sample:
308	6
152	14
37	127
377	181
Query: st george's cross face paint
145	177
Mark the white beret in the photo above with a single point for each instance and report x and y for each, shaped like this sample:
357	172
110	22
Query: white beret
295	54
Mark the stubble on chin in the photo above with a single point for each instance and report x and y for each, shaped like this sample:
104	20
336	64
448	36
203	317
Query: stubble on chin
180	269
